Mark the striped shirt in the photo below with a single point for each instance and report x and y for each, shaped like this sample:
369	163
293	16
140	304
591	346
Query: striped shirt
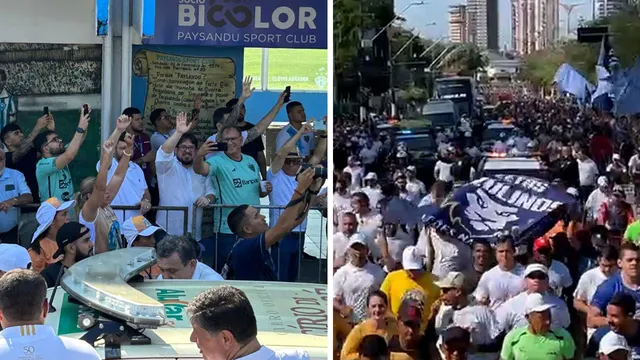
8	108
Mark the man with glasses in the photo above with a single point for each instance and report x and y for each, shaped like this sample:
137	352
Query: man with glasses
236	180
52	170
180	185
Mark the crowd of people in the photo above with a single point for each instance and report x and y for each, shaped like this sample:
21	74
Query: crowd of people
410	292
59	220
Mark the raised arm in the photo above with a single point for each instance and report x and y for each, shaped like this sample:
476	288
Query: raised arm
27	144
287	220
264	123
95	201
247	91
199	165
122	123
118	176
181	128
289	146
74	146
320	151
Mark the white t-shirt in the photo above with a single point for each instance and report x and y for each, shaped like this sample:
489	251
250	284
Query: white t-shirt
368	156
499	286
39	342
511	315
267	354
203	272
594	202
444	171
588	171
131	190
478	319
283	188
355	284
357	174
586	288
634	164
374	195
559	277
416	190
368	226
448	254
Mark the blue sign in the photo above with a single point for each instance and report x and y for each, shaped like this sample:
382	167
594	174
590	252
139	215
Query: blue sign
522	206
247	23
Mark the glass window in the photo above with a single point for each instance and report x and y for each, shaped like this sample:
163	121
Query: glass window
302	69
253	65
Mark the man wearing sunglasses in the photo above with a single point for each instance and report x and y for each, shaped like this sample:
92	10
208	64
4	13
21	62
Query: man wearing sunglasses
511	314
52	170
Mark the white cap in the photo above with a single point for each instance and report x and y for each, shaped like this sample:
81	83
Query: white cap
573	192
613	342
412	259
47	212
411	168
453	279
535	303
616	157
13	256
535	267
371	176
356	238
137	225
603	181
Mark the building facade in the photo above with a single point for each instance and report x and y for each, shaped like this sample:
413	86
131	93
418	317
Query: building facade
483	23
535	24
458	24
604	8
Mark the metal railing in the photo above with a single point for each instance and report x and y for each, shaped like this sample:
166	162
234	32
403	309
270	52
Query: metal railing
315	239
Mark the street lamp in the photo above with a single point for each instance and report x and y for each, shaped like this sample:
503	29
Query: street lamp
396	18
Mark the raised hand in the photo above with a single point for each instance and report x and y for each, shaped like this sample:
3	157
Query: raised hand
282	96
84	119
123	122
128	139
108	147
307	128
197	104
181	123
42	122
247	90
305	179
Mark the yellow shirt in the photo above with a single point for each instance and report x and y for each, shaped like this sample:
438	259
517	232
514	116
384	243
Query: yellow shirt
398	282
367	327
341	329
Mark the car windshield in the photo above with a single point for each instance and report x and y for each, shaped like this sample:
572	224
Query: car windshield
420	143
495	134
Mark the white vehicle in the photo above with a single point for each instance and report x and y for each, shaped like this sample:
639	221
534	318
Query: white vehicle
105	302
526	166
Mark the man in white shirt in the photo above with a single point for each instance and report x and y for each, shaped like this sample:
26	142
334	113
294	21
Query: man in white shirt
559	275
342	239
416	189
372	189
134	190
353	282
503	281
597	198
369	220
297	117
231	331
591	279
178	259
356	171
588	171
179	185
511	314
23	309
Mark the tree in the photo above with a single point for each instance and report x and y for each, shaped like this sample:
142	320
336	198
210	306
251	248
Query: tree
465	59
346	32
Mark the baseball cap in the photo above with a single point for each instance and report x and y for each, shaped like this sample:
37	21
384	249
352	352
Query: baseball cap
613	342
294	154
14	256
137	226
67	234
453	279
573	192
410	311
412	259
47	212
356	238
541	243
535	303
535	267
603	181
371	176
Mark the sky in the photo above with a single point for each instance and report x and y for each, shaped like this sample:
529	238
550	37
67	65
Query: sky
438	11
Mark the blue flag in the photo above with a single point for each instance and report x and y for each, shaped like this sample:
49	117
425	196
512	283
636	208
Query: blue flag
627	99
607	69
569	80
521	206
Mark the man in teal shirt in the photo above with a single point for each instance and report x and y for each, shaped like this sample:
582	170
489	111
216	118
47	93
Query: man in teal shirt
52	170
236	179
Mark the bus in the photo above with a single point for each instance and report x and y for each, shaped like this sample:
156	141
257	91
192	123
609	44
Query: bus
461	90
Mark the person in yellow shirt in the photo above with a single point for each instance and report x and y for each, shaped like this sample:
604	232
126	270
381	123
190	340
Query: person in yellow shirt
412	276
341	329
380	322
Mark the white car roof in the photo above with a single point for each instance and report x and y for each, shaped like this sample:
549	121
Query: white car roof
511	163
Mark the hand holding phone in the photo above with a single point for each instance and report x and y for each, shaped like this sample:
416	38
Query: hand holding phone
85	109
287	97
45	110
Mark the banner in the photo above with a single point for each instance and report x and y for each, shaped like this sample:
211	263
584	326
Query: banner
504	204
249	23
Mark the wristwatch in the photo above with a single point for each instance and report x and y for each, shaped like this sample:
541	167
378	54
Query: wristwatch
80	130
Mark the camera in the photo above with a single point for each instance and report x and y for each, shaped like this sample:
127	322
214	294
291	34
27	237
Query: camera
320	172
